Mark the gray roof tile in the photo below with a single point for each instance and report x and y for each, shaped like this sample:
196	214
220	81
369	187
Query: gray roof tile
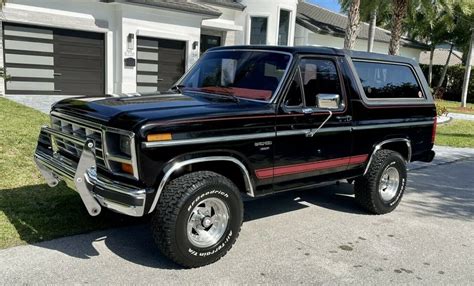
320	20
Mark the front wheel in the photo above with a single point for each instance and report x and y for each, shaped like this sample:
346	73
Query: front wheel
198	218
381	189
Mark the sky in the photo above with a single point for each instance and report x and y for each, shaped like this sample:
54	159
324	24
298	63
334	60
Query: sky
332	5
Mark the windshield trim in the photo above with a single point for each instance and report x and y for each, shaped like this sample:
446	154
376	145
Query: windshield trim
280	84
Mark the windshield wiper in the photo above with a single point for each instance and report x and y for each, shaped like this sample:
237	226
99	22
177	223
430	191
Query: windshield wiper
229	93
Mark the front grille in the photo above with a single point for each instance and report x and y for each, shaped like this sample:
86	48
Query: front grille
83	131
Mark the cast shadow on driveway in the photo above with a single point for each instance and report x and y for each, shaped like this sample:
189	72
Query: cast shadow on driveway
450	198
131	238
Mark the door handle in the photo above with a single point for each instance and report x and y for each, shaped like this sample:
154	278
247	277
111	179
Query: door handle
160	79
57	74
346	118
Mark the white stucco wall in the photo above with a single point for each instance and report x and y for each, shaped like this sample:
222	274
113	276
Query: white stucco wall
85	15
304	36
115	21
271	10
225	26
157	23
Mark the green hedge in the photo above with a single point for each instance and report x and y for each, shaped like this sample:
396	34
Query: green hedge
452	82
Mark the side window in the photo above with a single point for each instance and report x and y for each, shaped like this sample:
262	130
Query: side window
319	76
387	81
294	96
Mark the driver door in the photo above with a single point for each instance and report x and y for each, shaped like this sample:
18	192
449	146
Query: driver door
313	126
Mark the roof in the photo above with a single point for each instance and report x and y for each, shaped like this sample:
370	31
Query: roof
440	56
320	51
233	4
180	5
323	21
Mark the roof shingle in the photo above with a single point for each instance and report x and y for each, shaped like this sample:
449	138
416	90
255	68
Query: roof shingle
322	21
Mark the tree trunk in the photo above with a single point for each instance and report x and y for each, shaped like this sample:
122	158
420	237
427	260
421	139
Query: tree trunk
430	69
399	13
352	28
445	68
373	24
467	73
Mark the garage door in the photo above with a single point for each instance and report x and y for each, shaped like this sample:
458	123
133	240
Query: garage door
160	63
53	61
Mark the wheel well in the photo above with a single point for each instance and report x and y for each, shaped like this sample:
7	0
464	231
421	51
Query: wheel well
400	147
225	168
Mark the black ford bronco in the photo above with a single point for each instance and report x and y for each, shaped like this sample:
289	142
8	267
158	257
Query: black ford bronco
244	121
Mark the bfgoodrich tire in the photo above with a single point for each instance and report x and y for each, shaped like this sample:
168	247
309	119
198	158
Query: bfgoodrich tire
381	189
198	218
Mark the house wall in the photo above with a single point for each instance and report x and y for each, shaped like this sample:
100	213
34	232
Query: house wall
87	15
116	22
304	36
157	23
225	26
271	10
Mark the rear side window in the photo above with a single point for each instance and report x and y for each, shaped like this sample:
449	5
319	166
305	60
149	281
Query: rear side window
388	81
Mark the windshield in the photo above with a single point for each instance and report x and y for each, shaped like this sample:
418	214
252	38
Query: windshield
246	74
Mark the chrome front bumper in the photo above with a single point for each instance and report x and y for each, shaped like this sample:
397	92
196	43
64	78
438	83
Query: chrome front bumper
96	192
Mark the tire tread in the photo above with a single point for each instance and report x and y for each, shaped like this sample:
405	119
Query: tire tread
169	205
365	185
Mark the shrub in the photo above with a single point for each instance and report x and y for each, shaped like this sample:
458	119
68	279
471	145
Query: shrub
452	86
441	110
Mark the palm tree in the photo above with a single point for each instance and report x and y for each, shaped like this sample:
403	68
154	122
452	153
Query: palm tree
399	8
353	24
369	11
431	24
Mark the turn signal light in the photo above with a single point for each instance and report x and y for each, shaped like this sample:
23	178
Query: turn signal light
159	137
127	168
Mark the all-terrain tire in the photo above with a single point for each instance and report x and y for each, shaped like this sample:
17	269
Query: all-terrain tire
367	188
174	210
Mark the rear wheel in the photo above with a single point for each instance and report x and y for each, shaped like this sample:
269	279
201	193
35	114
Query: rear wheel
198	218
381	189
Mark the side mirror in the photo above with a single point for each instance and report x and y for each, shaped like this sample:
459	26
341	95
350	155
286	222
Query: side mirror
328	101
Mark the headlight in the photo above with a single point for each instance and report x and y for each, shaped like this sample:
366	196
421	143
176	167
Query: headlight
120	152
125	145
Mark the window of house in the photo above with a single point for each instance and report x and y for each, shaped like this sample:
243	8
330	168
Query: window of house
258	30
382	80
319	76
284	28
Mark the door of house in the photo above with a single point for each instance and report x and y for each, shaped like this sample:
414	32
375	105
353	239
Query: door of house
42	60
208	42
160	63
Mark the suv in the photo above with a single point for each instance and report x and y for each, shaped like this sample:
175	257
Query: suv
245	121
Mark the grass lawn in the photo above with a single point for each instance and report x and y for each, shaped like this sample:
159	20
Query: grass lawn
454	106
30	211
457	133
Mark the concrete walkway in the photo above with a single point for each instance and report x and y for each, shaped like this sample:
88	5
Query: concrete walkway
39	102
461	116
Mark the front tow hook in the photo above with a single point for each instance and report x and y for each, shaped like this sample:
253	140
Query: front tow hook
86	162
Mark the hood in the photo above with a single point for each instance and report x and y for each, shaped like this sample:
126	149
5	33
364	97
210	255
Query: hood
127	112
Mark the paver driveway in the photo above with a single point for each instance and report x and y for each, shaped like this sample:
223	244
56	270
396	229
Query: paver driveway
309	237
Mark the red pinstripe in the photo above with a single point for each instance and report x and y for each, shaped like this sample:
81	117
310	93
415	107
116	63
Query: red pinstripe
309	167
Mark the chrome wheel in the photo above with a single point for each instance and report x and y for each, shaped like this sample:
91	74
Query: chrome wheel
389	183
207	222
